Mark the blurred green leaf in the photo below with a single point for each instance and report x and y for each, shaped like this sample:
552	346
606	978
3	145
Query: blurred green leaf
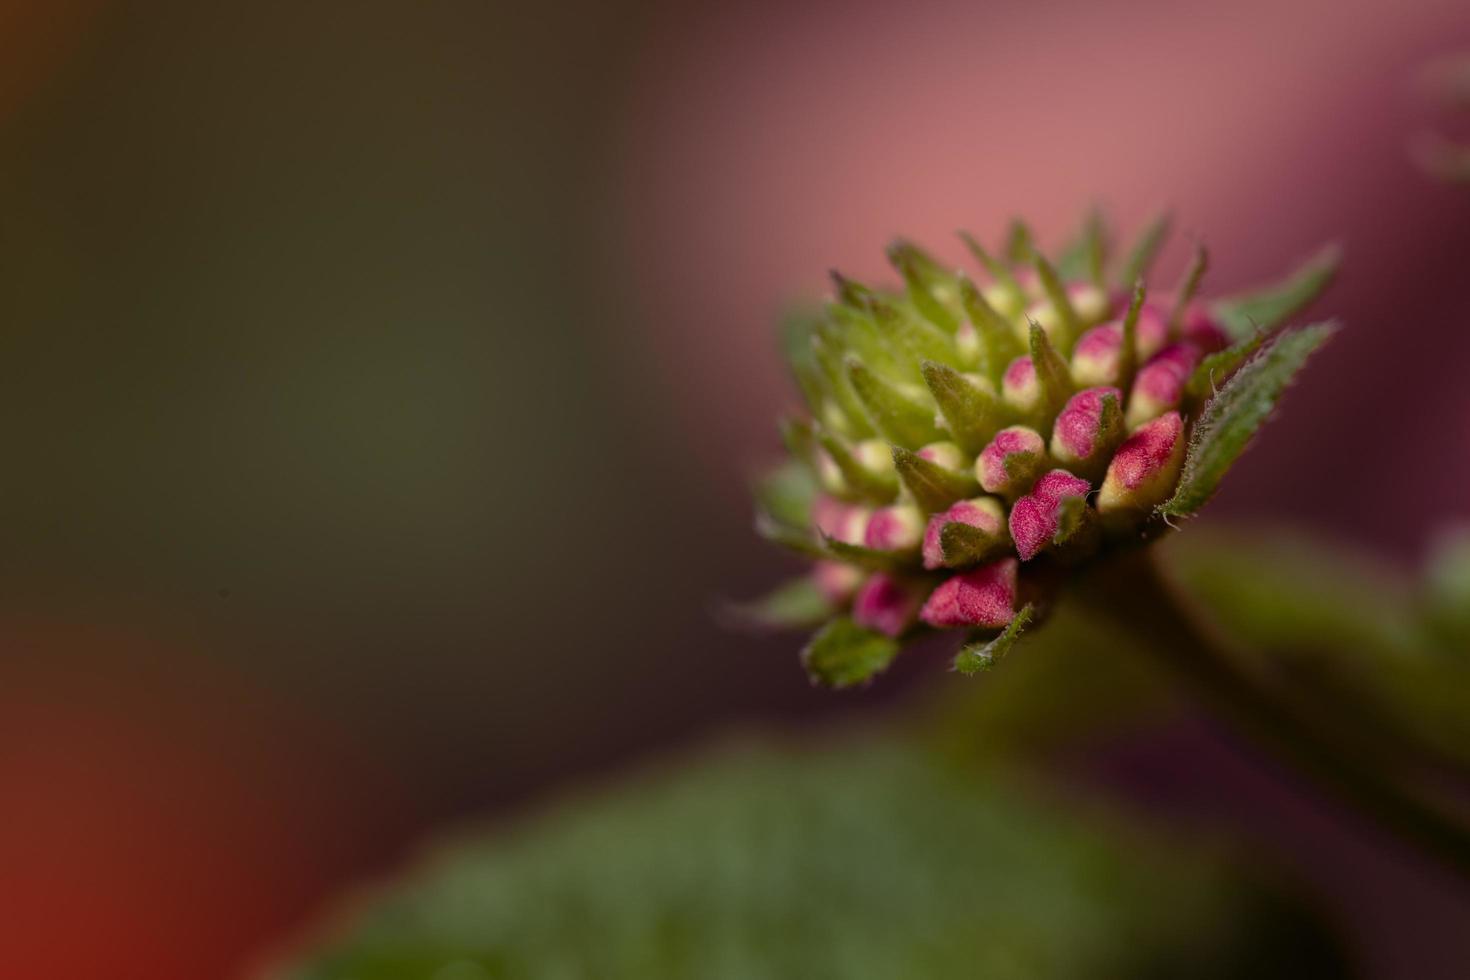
1272	305
786	493
901	418
975	657
843	654
1231	418
1447	592
866	860
798	604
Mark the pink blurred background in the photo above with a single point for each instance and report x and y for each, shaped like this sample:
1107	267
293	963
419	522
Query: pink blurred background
361	358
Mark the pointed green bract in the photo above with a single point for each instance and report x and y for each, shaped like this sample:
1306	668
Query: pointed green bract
799	436
1086	257
797	604
878	488
933	487
843	654
901	418
851	417
1020	243
924	277
998	270
869	558
975	657
972	414
1217	368
786	493
1269	307
1052	374
797	540
1069	325
1128	351
1199	263
1231	418
1141	257
998	342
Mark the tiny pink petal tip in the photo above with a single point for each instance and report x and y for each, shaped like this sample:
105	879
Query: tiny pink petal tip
896	528
1036	516
1019	387
962	512
984	597
884	605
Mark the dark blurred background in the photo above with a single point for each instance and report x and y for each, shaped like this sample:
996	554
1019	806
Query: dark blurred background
381	382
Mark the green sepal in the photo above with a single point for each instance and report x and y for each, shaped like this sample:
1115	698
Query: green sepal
1069	325
869	558
1199	263
1086	256
799	436
786	493
963	545
998	270
1128	351
975	657
855	331
850	292
1020	245
925	280
972	414
796	604
853	417
1217	368
800	541
1052	375
1145	250
873	486
912	338
933	487
999	344
1231	418
842	654
901	418
1270	306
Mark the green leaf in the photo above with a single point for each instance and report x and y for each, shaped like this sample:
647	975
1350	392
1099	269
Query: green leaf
1231	418
975	657
800	541
1086	256
998	270
798	604
1052	374
902	418
1447	591
1199	263
972	414
1145	250
860	858
1128	351
1270	306
934	487
924	278
843	654
1020	246
853	418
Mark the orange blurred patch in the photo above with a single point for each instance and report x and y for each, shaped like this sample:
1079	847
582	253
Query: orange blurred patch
37	37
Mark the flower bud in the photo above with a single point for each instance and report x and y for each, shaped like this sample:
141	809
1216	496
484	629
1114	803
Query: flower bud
1020	389
1152	331
945	454
1096	359
1088	429
896	528
1159	386
840	521
1089	303
1145	468
836	580
1011	462
967	344
885	605
1037	517
984	598
1201	330
982	513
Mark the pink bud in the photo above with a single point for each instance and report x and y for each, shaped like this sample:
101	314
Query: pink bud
984	597
1019	387
836	580
1145	468
1151	332
1087	430
1095	359
884	605
1036	517
1159	387
840	521
984	513
896	528
945	454
1011	461
1088	302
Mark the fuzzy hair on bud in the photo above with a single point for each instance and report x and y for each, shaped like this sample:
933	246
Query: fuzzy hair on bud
1159	387
899	527
1087	431
984	598
1011	462
1145	468
886	605
985	514
1037	517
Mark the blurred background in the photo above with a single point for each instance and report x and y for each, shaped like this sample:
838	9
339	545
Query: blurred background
381	384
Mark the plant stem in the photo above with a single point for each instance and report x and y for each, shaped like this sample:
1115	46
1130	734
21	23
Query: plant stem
1135	594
